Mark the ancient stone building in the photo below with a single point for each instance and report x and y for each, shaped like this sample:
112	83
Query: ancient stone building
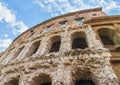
78	48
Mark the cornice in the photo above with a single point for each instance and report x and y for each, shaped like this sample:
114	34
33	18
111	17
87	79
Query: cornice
104	20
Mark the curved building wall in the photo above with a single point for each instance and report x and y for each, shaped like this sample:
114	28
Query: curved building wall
76	48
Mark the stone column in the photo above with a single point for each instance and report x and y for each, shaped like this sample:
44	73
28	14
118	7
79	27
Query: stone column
25	81
117	34
5	80
2	81
104	75
117	27
44	47
4	56
24	52
92	40
63	76
65	41
9	57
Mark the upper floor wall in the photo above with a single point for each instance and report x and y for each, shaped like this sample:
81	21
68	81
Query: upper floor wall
60	22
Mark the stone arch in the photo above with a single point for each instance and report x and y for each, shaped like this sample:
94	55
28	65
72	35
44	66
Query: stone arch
55	43
117	49
34	47
12	81
83	76
107	36
42	79
13	55
108	27
84	82
79	40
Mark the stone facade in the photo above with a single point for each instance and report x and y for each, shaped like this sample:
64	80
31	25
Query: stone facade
79	48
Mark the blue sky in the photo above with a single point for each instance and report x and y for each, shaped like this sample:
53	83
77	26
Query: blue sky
16	16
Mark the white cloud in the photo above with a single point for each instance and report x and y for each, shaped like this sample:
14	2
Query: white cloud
57	7
111	6
4	43
9	17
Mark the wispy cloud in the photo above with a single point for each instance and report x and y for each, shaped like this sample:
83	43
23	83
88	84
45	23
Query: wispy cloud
9	17
57	7
4	43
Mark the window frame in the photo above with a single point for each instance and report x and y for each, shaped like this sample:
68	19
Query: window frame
79	20
62	23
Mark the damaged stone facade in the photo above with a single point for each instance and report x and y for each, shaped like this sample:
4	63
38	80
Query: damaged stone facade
79	48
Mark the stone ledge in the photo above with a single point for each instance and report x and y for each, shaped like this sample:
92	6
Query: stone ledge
72	57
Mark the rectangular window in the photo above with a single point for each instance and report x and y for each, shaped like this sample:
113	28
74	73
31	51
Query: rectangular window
94	14
48	28
79	20
62	24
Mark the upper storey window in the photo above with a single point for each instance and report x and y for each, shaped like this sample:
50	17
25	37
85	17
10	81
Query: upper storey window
48	28
63	23
94	14
79	21
31	33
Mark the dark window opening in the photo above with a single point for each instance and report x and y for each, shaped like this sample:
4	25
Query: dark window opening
31	33
84	82
14	82
34	48
79	43
42	79
106	40
94	14
107	37
47	83
55	46
62	24
118	49
79	21
48	28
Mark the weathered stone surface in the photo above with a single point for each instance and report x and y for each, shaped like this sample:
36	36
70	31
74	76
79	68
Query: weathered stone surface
64	66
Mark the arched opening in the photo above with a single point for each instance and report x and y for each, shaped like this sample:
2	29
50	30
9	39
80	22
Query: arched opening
118	49
13	82
84	82
42	79
55	42
18	51
79	40
106	36
48	83
106	40
34	47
